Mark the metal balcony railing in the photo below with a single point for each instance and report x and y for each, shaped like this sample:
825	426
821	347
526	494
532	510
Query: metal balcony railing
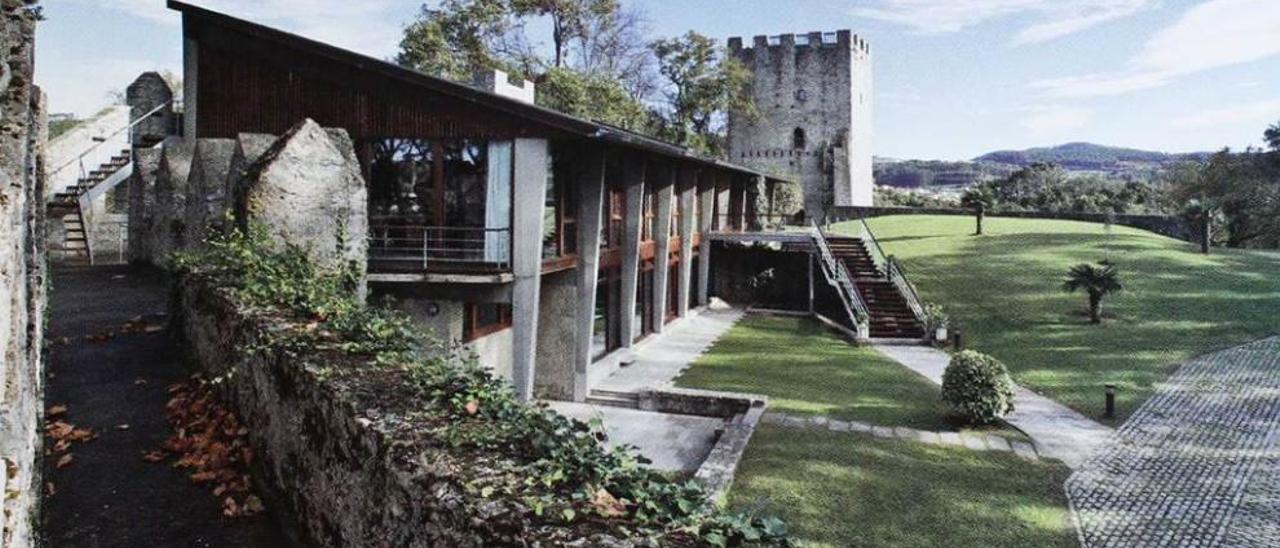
408	248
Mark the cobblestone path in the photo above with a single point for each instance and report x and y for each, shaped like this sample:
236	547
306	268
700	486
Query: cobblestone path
1197	465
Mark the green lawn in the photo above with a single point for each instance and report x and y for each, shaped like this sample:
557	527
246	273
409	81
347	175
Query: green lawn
853	490
807	370
1003	288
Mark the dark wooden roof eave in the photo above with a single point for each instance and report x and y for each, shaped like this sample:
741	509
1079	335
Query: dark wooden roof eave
548	117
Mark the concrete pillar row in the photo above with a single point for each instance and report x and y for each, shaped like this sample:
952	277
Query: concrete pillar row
666	183
688	186
633	218
706	216
591	186
529	190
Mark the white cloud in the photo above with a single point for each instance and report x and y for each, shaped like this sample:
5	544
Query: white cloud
372	27
1052	18
1054	120
1257	114
1217	33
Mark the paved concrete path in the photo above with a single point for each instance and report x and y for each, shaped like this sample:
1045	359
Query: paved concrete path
976	441
109	496
661	358
1058	431
1197	465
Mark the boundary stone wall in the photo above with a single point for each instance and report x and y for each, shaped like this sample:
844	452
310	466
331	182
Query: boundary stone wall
1172	227
345	458
23	171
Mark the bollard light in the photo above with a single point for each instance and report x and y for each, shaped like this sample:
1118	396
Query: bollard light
1111	402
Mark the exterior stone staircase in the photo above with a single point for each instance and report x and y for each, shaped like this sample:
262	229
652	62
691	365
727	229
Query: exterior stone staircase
891	317
66	206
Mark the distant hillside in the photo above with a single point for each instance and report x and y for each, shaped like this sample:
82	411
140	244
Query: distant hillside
1076	158
1090	157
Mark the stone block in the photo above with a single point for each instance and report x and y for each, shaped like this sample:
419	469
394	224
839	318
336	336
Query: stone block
206	201
306	189
142	203
171	197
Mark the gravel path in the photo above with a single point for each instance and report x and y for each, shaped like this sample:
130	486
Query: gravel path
1197	465
109	496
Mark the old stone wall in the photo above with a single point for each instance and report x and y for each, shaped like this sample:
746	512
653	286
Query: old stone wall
347	458
23	138
1173	227
305	187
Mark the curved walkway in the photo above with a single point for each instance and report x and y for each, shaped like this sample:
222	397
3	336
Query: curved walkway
1197	465
1058	431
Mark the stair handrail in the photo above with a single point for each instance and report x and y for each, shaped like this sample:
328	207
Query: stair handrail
835	270
893	270
80	158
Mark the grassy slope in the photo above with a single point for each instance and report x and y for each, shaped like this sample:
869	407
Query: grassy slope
806	370
1003	287
853	490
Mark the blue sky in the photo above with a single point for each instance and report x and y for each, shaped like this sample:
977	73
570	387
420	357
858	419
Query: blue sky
953	78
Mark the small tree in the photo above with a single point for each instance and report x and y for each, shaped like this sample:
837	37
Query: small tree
979	199
1098	281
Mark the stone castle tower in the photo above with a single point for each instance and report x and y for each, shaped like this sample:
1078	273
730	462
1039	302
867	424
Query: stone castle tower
813	97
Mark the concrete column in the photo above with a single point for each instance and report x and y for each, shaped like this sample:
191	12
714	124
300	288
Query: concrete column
190	83
688	186
706	214
666	182
633	218
529	192
590	189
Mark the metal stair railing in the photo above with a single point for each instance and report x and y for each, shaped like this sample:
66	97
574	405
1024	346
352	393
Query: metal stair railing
894	272
79	159
838	275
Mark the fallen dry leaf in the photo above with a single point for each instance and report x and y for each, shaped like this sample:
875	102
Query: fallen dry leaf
139	382
56	410
64	462
153	456
49	489
122	427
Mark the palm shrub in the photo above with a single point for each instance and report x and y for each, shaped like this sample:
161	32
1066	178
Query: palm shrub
977	388
979	199
1098	281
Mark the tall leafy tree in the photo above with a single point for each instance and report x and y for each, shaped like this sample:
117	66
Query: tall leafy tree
703	86
979	199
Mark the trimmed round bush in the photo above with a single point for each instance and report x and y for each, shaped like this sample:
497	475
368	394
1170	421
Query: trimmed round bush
977	388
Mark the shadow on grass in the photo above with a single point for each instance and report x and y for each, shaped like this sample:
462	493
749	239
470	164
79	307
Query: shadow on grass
838	490
1003	290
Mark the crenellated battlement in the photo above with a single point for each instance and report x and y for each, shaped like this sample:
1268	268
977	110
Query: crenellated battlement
841	38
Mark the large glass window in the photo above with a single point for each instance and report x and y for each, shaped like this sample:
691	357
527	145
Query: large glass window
559	218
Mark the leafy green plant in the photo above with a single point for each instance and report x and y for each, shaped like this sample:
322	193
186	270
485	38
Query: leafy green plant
979	199
1097	281
936	316
977	388
540	461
